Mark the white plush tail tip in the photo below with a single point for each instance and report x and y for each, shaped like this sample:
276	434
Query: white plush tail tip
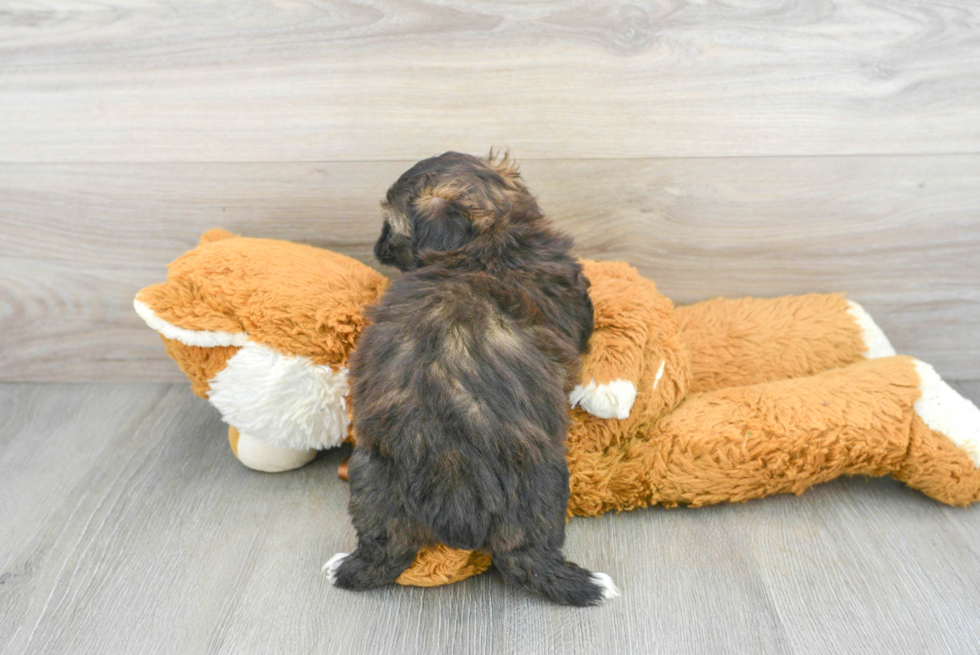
609	588
946	411
875	340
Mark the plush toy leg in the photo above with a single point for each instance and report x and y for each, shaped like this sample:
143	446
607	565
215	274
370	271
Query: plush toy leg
943	459
260	456
752	340
748	442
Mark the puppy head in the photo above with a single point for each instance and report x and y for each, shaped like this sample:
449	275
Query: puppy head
445	202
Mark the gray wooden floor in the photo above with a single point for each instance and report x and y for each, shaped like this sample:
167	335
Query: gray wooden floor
128	527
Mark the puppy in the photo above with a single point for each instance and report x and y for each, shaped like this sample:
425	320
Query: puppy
460	383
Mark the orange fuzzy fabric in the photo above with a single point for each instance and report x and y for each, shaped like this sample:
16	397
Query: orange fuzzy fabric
441	565
736	399
199	364
296	299
750	340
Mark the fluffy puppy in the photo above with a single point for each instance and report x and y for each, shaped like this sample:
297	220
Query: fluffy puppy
460	383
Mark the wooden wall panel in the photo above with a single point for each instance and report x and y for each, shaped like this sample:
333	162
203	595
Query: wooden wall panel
901	234
342	80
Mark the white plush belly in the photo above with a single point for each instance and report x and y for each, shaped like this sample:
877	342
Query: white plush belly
283	400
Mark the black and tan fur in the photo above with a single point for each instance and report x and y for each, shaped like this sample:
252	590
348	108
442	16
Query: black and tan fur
460	383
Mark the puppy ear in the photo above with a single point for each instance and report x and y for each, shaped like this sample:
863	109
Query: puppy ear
443	222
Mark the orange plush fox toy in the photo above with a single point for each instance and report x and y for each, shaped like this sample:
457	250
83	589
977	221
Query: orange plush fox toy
724	400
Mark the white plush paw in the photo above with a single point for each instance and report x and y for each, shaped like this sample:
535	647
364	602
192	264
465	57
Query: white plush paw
611	400
330	568
609	589
285	401
946	411
261	456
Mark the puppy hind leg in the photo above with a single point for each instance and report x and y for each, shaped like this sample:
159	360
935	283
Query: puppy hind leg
548	573
387	539
377	561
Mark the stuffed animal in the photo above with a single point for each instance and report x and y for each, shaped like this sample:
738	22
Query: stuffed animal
720	401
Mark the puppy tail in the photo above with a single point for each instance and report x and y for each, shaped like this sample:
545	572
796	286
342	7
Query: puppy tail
456	516
554	578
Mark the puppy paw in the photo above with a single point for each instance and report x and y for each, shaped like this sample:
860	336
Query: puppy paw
330	568
605	583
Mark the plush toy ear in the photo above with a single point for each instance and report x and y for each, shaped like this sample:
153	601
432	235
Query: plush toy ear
178	311
216	234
